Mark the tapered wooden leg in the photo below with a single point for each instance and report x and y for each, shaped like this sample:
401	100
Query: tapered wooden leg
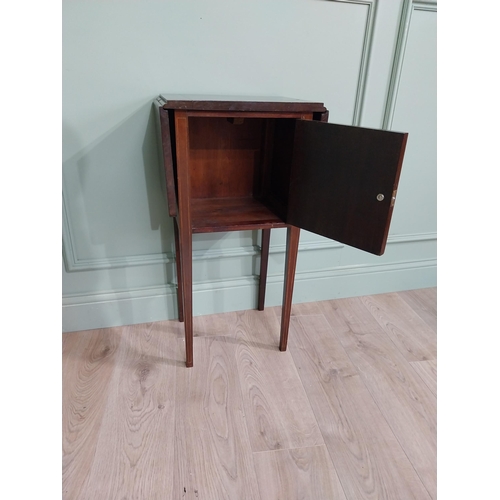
185	231
186	253
292	248
264	258
178	263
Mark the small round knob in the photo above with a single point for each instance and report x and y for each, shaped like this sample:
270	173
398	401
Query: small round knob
380	197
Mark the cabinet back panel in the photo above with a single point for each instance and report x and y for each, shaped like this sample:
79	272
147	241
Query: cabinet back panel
224	156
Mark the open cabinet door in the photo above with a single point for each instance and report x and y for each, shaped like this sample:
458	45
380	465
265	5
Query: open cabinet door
343	182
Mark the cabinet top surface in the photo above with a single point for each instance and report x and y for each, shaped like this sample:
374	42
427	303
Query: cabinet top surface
237	103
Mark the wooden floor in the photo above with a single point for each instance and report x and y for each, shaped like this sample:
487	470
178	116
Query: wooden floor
348	412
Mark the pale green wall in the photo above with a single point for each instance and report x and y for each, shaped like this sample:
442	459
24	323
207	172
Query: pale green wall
371	62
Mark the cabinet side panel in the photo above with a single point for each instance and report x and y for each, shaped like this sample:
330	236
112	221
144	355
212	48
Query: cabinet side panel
167	156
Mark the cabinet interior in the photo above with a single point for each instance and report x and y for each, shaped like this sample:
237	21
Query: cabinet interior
239	170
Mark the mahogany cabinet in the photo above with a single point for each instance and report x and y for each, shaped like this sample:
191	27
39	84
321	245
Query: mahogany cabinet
237	163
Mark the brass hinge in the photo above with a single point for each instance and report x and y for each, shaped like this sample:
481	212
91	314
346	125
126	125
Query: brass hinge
393	199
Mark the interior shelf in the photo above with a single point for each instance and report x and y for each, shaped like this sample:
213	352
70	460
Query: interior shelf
231	214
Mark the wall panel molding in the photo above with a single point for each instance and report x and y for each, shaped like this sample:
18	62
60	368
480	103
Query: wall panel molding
105	253
365	55
115	308
68	249
70	255
409	7
73	265
131	306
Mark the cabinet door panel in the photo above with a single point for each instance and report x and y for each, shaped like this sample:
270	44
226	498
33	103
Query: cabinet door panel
343	181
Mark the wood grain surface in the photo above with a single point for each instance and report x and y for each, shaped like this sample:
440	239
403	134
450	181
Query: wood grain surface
428	373
424	303
213	457
275	421
297	474
136	440
215	325
363	448
231	214
89	359
412	336
406	403
348	412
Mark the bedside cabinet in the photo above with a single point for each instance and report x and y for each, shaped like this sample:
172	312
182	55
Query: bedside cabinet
238	163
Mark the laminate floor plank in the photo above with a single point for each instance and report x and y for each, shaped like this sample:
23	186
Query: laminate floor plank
350	318
297	474
424	303
349	411
406	402
364	450
409	332
88	361
213	456
300	309
303	309
278	413
223	324
135	453
428	373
